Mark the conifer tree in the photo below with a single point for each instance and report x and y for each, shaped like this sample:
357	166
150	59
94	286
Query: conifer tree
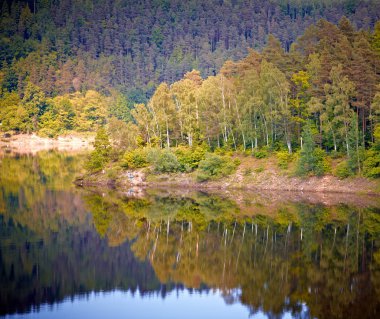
101	154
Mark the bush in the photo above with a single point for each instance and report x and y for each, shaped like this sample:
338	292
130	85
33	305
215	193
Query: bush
343	170
371	167
95	162
215	166
323	164
237	161
189	158
260	153
220	151
135	159
164	161
283	159
203	177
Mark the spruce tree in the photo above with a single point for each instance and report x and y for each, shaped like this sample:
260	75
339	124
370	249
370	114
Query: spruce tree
311	160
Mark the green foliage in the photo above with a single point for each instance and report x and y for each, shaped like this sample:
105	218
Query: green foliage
120	109
283	159
95	163
34	102
260	153
312	160
371	166
164	161
189	158
53	116
260	169
100	156
124	135
356	150
343	170
135	159
11	114
102	144
214	167
50	83
236	161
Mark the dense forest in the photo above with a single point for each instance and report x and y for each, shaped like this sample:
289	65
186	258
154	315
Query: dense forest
64	46
238	75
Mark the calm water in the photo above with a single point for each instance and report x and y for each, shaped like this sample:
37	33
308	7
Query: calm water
74	253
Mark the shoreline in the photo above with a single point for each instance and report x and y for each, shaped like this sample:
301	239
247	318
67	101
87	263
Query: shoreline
32	143
267	182
256	197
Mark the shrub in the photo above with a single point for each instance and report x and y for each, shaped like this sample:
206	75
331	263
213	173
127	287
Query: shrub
95	162
260	153
237	161
343	170
189	158
135	159
371	167
220	151
164	162
283	159
323	164
215	166
203	177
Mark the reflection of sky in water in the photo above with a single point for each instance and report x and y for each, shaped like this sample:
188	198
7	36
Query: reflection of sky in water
119	304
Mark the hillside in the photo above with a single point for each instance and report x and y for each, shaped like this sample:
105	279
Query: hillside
312	93
131	46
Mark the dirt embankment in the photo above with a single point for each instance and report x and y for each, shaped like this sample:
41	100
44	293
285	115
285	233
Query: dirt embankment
32	143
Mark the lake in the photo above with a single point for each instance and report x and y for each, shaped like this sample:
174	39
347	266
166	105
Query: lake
67	252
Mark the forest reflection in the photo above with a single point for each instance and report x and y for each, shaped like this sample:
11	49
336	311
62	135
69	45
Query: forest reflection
280	258
274	256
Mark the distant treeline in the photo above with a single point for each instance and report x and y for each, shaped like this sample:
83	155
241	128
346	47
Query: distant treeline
64	46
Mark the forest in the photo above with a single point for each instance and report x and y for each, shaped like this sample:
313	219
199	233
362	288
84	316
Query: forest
272	76
64	46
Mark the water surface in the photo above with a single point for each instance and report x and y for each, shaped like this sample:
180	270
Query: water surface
75	253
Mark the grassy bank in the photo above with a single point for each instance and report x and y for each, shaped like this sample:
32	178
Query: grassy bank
228	172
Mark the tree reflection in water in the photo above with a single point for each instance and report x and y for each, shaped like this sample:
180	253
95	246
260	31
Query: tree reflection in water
324	256
270	255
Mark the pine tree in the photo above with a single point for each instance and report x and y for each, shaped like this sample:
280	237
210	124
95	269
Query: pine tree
311	161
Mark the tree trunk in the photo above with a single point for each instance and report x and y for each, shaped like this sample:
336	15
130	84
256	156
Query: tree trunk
167	134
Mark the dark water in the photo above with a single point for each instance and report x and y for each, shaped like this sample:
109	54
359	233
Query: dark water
74	253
